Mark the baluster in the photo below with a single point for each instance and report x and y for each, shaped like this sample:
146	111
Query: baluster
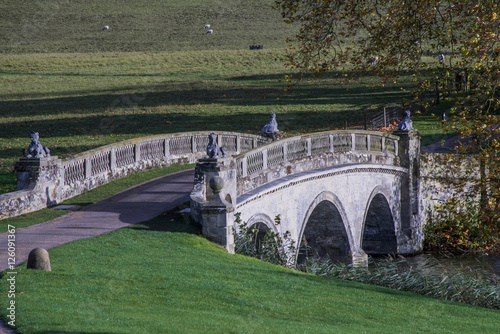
244	167
137	152
166	148
112	159
88	167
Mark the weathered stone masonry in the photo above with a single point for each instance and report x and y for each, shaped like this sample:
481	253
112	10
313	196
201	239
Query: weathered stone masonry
47	181
290	177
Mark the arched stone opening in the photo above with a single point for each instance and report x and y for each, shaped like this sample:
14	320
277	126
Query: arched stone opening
256	227
324	236
379	235
259	231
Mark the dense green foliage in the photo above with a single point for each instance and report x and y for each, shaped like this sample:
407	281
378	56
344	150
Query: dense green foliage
264	244
463	227
159	278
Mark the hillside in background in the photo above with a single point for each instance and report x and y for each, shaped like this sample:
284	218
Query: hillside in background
157	71
154	25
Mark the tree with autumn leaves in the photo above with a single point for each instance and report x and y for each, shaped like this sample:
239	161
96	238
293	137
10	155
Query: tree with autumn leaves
451	48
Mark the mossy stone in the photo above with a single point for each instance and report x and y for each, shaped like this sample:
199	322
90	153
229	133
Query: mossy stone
39	259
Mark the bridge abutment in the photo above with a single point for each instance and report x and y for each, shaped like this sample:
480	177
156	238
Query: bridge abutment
411	225
212	199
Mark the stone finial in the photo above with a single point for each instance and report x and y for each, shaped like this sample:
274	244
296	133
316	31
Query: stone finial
406	123
39	259
271	128
213	150
35	149
216	184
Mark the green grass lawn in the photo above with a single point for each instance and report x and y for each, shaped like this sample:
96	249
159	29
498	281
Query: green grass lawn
162	277
156	71
83	101
153	25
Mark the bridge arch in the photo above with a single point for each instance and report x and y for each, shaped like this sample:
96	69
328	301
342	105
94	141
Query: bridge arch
262	218
263	223
325	230
378	235
363	180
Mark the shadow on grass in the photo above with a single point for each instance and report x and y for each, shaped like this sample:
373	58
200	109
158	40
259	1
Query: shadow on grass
134	125
171	221
254	92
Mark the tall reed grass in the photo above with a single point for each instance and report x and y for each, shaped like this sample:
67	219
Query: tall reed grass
474	288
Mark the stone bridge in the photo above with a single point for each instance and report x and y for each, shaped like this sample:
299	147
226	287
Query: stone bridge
45	182
340	193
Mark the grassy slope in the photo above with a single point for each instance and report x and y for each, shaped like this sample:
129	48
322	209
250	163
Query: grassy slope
153	25
156	278
155	72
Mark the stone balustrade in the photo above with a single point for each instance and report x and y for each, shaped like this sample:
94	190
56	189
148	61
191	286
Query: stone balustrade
239	175
336	147
47	181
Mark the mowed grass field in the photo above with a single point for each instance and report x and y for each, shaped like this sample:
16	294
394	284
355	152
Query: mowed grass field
154	25
156	71
161	277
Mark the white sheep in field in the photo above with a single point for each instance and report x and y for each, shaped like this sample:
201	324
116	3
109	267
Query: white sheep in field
207	26
105	28
372	60
210	31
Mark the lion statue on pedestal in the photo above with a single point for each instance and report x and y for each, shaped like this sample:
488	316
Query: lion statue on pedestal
36	150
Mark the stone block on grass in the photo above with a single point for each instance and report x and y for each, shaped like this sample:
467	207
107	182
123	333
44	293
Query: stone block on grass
39	259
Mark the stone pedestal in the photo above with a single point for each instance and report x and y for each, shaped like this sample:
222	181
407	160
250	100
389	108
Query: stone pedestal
212	199
32	171
42	177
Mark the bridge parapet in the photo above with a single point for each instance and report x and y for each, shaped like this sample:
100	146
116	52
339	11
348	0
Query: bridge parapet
318	150
256	169
47	181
